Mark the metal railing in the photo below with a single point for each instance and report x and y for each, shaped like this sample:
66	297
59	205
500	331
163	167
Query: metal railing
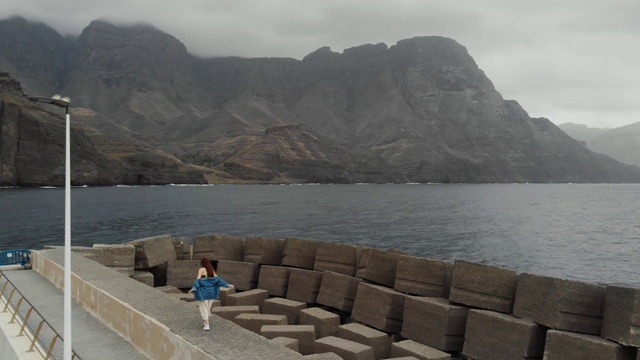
35	337
20	257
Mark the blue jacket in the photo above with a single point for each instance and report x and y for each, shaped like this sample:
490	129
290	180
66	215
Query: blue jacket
208	288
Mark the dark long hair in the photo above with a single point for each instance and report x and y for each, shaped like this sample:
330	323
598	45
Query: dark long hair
205	263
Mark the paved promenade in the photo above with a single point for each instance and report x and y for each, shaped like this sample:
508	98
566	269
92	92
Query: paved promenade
91	338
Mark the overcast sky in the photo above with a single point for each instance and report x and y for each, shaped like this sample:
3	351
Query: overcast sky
567	60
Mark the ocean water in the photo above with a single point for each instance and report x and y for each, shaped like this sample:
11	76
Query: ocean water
587	232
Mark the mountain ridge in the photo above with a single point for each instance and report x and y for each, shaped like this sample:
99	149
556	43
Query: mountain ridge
420	110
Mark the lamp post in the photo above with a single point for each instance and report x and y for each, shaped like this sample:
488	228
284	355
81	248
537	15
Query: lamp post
64	102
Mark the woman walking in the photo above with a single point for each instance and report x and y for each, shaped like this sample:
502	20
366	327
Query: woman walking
207	289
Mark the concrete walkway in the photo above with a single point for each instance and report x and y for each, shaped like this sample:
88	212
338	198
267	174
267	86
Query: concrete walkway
91	339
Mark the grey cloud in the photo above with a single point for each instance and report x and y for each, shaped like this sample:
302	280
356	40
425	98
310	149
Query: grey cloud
568	60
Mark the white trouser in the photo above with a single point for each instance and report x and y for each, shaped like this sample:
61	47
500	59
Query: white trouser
205	308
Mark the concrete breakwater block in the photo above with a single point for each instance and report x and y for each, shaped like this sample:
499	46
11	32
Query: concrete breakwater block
323	356
415	349
560	304
286	342
153	251
254	322
379	307
144	277
379	341
338	291
245	298
289	308
243	275
182	273
489	333
231	312
305	334
434	322
178	245
274	279
348	350
224	292
263	251
339	258
299	253
218	247
119	257
304	285
562	345
621	316
483	286
326	323
419	276
377	266
159	274
187	249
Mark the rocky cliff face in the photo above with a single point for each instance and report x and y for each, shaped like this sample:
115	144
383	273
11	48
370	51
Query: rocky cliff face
420	110
32	150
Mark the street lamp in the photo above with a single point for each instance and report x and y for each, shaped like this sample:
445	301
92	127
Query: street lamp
64	102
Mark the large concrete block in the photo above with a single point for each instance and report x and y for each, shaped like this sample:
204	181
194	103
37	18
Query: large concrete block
289	308
159	274
326	323
246	298
415	349
299	253
323	356
621	316
348	350
286	342
304	285
144	277
434	322
305	334
379	341
224	292
153	251
338	291
274	279
231	312
263	251
120	257
339	258
379	307
419	276
377	267
178	245
562	345
218	247
483	286
182	273
254	322
490	333
243	275
187	250
560	304
397	251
